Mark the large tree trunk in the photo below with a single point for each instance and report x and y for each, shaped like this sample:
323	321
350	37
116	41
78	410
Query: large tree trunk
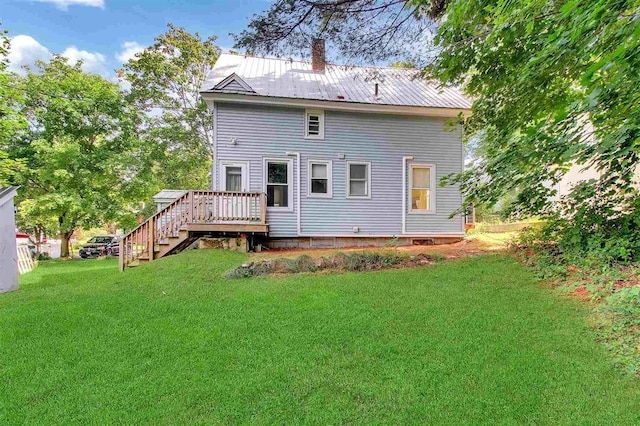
64	244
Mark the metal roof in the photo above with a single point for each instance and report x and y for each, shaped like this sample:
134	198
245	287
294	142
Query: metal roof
295	79
169	194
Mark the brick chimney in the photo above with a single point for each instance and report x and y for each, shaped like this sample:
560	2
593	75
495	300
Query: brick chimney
317	55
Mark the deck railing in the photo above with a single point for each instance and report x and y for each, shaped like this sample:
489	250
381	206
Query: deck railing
194	207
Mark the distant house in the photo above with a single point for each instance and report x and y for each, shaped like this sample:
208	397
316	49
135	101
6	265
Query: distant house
166	197
8	246
575	175
308	154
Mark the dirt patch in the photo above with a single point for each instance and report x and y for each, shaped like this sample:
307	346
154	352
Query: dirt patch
581	293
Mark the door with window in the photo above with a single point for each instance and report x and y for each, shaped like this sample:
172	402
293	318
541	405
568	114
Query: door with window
234	179
278	184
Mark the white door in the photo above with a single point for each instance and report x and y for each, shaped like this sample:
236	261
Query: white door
235	178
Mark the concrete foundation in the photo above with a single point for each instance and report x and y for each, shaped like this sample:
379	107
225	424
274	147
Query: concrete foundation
344	242
234	244
240	244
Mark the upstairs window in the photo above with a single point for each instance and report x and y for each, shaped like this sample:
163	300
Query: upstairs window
320	178
358	180
278	183
314	124
422	188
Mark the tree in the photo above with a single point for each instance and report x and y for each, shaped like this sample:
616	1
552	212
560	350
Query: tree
84	165
371	30
12	120
166	79
554	83
403	64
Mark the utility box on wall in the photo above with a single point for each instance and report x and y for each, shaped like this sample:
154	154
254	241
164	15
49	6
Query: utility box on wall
8	244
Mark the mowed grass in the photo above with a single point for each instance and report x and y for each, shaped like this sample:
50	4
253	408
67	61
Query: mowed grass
471	341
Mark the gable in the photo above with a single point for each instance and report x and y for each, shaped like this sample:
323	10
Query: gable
233	84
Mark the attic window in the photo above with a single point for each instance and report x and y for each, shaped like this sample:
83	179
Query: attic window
314	124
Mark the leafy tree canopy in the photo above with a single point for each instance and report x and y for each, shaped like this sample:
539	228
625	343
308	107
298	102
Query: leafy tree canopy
554	83
12	121
83	163
165	82
371	30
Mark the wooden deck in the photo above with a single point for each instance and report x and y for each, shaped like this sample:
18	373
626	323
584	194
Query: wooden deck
191	216
228	227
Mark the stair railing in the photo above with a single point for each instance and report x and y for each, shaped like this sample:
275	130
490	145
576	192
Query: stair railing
203	207
140	242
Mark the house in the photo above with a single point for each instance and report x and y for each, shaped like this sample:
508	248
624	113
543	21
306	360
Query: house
576	174
8	246
167	196
309	154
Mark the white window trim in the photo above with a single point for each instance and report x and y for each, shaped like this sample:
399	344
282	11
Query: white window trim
329	165
289	162
432	189
320	114
348	174
244	165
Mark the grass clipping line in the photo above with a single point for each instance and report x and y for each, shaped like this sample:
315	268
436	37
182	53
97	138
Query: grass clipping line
340	262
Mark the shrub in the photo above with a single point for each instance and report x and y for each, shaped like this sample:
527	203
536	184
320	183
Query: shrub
592	228
590	243
43	256
362	261
365	261
303	263
619	327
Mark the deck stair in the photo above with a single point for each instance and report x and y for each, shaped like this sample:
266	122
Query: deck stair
190	217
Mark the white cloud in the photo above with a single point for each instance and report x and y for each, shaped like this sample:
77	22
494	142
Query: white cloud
64	4
93	62
129	50
26	50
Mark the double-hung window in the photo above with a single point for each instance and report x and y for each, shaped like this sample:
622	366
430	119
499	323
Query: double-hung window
422	189
278	183
320	176
314	124
358	180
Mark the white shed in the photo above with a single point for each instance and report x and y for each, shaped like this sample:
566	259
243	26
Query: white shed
8	248
166	197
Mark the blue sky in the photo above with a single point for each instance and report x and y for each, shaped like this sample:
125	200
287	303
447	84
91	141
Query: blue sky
104	32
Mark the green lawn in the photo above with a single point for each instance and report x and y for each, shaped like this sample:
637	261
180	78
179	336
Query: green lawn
469	341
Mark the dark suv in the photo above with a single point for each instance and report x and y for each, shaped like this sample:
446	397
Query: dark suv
101	245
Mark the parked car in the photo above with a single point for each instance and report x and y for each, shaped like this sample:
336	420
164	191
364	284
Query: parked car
101	245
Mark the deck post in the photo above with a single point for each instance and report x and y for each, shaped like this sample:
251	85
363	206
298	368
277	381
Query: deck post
150	240
191	213
121	255
263	208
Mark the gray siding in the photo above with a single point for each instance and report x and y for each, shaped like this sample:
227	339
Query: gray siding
8	249
233	86
383	140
